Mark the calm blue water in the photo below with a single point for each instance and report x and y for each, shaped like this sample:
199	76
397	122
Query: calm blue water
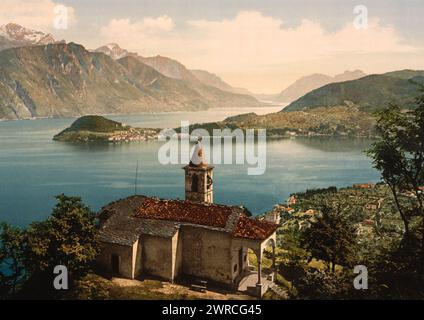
33	168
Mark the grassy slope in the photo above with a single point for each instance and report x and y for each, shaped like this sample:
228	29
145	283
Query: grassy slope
331	121
96	124
90	128
369	93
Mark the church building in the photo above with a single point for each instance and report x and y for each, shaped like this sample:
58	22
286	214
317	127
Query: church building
173	239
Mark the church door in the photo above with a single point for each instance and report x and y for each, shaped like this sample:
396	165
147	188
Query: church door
115	263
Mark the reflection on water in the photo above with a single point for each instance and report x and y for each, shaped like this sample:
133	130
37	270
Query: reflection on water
33	168
334	144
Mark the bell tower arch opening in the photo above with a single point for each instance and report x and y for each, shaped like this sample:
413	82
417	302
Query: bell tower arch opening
194	183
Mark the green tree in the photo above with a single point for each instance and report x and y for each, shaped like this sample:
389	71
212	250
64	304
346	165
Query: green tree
67	238
393	271
294	258
331	237
11	259
399	156
293	254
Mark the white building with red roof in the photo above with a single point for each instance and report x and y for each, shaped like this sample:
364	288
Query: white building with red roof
179	240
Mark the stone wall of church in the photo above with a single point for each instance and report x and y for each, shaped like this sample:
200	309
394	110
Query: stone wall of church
126	254
157	256
137	254
206	254
239	261
177	249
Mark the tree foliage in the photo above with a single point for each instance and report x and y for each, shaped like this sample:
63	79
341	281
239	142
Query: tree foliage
11	259
294	257
399	155
318	285
332	237
67	237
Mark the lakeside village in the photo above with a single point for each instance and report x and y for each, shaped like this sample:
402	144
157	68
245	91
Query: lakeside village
299	209
133	134
147	134
372	203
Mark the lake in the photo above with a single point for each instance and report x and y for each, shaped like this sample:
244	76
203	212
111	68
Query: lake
33	168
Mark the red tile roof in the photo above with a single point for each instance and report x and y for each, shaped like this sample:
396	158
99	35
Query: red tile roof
210	215
185	211
253	229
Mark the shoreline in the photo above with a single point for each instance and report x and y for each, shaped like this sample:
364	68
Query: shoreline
139	113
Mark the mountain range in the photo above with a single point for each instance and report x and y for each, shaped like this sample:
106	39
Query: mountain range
41	77
368	93
60	79
173	69
17	36
213	80
312	82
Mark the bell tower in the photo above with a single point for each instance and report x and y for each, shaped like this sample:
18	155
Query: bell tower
199	177
199	183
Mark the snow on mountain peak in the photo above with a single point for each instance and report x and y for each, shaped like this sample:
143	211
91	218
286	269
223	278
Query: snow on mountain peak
114	51
113	46
15	32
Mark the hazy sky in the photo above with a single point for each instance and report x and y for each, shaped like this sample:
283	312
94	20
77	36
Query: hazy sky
262	45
